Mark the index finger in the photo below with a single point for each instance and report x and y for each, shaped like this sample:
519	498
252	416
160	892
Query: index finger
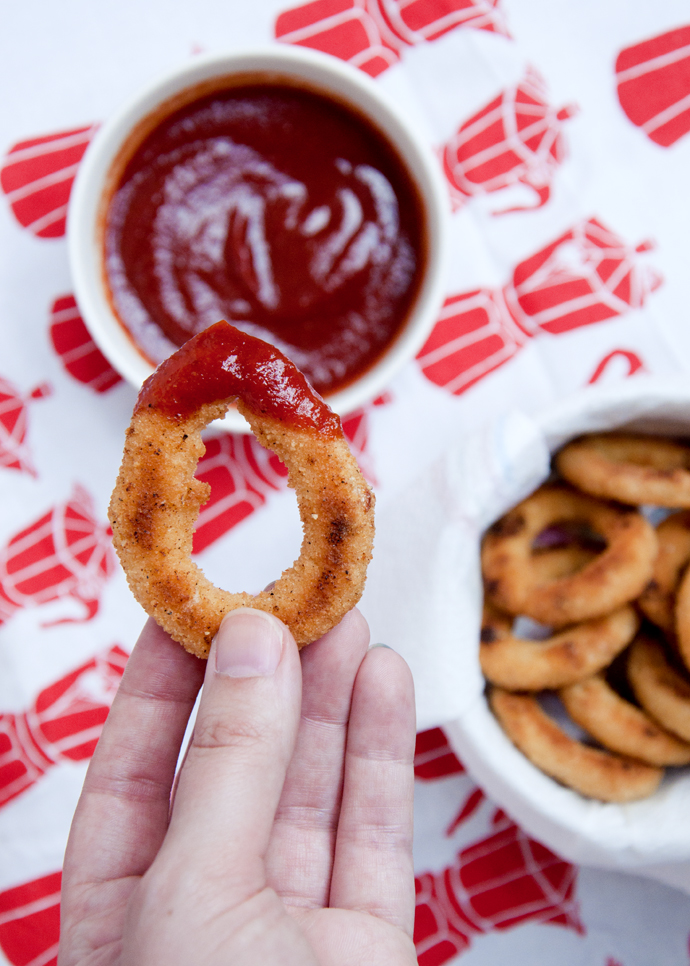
122	815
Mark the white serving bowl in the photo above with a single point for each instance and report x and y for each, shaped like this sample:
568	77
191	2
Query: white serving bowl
647	835
320	73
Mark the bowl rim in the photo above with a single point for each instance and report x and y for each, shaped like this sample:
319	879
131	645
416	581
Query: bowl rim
321	72
585	831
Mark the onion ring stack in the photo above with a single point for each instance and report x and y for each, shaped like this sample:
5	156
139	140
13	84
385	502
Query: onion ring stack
156	498
579	557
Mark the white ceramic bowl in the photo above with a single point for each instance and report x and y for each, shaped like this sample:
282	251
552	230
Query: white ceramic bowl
318	72
651	835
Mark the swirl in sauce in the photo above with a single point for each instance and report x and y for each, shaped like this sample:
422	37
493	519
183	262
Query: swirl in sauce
277	209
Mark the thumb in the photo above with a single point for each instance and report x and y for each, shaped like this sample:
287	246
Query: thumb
243	741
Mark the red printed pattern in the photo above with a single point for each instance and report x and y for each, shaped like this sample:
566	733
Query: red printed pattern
653	79
630	360
241	474
64	554
515	139
78	353
371	34
64	723
30	921
496	883
587	275
14	453
37	177
433	757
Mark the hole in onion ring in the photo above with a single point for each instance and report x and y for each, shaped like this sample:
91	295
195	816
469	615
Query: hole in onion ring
230	510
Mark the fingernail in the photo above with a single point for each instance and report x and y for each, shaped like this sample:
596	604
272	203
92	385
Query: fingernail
380	645
249	644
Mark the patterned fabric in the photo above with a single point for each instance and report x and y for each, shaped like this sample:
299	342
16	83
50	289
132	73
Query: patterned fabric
561	135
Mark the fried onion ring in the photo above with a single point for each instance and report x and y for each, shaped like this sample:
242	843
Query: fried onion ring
614	577
156	498
597	774
682	618
620	726
575	653
662	691
658	600
552	563
632	468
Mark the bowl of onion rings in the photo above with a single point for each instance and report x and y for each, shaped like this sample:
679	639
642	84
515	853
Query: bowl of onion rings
580	731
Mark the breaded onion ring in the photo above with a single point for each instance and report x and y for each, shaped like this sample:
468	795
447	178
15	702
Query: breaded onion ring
615	576
682	618
620	726
594	773
632	468
662	691
575	653
156	499
658	600
555	562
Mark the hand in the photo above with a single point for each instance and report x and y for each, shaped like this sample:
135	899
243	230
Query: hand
289	838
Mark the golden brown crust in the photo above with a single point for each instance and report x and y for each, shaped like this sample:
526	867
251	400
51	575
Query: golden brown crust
560	561
658	600
156	501
632	468
620	726
662	691
613	578
682	618
597	774
573	654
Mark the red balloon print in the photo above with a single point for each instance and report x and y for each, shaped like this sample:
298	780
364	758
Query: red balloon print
467	810
63	724
629	358
474	335
30	921
14	452
653	83
496	883
372	34
78	353
515	139
434	758
66	553
586	275
37	177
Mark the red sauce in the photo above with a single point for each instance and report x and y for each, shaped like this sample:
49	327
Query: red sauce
222	363
277	209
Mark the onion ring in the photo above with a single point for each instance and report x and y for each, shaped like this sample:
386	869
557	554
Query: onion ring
576	653
615	576
632	468
590	771
552	563
156	498
663	692
682	618
620	726
658	600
